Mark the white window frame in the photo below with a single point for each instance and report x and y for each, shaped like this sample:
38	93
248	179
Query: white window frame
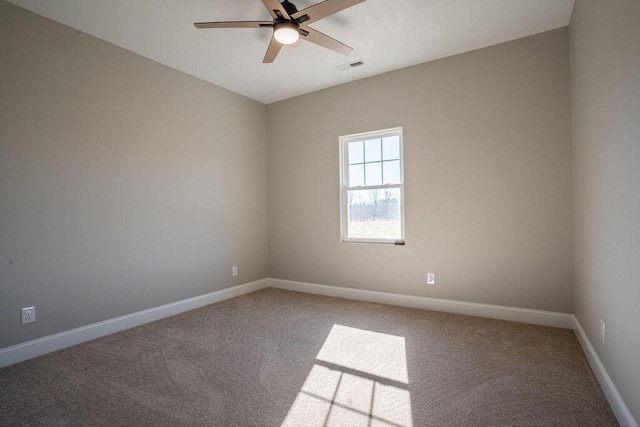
344	180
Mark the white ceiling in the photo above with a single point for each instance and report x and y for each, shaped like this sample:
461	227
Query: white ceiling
386	34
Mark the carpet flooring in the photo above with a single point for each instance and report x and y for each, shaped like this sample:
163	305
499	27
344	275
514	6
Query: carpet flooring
274	358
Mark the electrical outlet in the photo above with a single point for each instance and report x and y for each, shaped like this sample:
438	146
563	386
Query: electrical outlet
602	330
234	270
431	278
28	315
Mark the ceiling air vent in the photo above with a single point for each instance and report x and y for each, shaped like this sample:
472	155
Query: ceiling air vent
350	65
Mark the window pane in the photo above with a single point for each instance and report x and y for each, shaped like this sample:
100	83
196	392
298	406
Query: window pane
372	150
373	173
356	152
391	148
391	172
356	175
374	214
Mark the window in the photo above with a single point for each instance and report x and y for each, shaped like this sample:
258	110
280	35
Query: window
372	187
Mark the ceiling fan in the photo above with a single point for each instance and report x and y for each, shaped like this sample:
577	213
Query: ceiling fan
289	25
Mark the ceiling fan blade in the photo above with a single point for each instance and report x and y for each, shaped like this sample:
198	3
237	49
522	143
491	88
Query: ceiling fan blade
234	24
324	40
272	51
275	8
322	10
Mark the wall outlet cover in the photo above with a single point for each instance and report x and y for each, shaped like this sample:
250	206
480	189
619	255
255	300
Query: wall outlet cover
28	314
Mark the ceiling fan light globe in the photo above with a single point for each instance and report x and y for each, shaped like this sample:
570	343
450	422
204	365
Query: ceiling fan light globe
286	33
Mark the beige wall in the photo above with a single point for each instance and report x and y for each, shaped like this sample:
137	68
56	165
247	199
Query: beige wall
124	184
605	83
487	170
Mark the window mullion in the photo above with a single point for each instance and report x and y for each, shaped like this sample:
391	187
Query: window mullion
364	165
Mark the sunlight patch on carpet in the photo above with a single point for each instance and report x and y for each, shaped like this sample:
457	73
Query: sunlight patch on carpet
373	353
364	384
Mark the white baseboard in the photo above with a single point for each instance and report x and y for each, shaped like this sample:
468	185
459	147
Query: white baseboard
625	418
40	346
523	315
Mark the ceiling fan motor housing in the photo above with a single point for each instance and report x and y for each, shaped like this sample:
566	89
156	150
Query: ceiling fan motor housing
289	7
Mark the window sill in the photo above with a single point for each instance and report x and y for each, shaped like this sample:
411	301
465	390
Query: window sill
375	242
